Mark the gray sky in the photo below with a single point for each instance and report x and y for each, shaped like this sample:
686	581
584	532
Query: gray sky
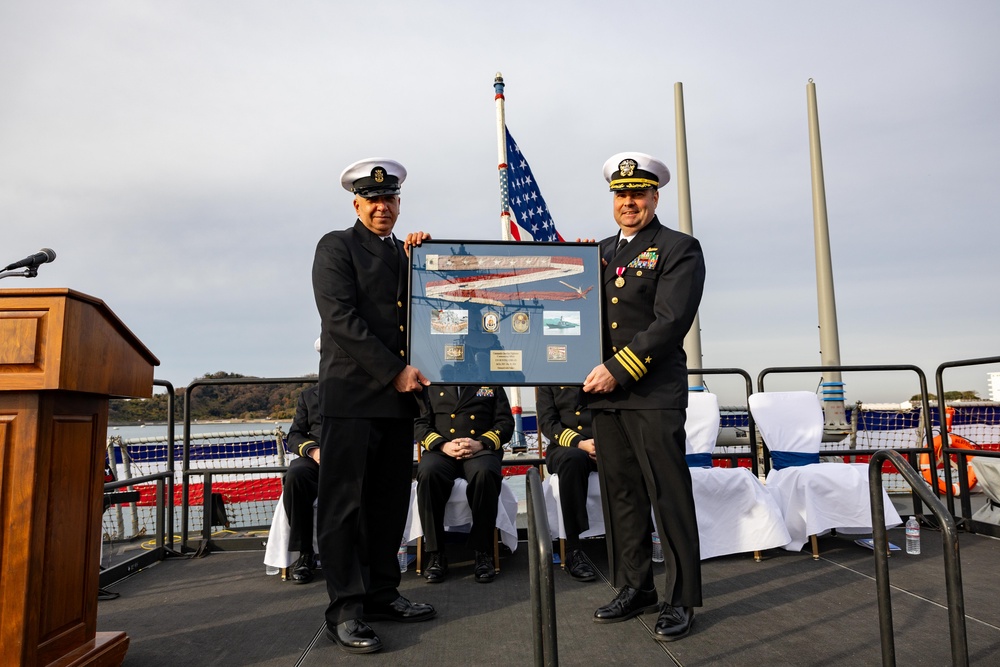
183	158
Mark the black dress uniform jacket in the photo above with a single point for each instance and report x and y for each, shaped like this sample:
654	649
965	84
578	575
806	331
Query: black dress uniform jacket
480	413
361	293
648	316
307	425
562	417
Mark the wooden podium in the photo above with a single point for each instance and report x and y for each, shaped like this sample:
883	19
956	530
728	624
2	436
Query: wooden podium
63	354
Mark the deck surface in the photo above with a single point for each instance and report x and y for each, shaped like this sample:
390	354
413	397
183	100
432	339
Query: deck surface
787	610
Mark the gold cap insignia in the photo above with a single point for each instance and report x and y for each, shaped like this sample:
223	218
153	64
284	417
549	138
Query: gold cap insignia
378	173
627	167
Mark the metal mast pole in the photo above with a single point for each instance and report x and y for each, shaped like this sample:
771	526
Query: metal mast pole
517	440
692	341
829	340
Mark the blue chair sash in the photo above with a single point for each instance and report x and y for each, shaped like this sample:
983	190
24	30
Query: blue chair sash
699	460
792	459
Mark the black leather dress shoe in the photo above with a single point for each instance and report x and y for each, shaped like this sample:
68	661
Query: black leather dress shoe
437	567
485	570
673	623
354	636
578	566
402	611
629	603
302	569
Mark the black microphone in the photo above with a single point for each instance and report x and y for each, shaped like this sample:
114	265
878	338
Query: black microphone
43	256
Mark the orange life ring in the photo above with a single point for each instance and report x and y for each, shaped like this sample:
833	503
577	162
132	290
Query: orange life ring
957	442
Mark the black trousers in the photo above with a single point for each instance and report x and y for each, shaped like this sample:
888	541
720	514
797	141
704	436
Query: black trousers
573	466
642	466
300	487
364	490
436	474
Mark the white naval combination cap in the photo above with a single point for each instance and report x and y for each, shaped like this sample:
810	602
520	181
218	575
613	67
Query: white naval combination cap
373	177
635	171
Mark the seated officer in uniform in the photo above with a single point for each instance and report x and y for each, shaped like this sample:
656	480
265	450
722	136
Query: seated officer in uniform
571	455
301	483
463	430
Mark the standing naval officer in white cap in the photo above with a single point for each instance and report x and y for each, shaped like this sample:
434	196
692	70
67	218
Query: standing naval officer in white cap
653	283
367	396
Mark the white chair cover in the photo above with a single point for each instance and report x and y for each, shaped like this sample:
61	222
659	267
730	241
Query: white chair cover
988	474
458	514
276	553
818	497
701	423
595	513
735	512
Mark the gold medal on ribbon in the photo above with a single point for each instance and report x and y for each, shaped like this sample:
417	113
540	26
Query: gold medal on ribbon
619	281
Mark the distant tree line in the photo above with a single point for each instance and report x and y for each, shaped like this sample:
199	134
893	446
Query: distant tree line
208	402
950	396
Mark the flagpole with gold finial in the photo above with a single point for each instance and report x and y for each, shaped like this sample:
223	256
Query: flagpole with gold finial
517	440
502	158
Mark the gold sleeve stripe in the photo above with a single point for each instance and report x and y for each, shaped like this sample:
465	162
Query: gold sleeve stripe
431	439
635	359
304	445
494	437
566	438
631	363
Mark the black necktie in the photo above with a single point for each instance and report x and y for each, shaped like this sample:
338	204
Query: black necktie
621	245
393	250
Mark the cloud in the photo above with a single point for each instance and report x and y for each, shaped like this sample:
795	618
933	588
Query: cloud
183	159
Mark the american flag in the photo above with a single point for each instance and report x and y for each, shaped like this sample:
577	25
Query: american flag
530	218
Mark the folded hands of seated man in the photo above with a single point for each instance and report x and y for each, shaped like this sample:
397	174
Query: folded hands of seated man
461	448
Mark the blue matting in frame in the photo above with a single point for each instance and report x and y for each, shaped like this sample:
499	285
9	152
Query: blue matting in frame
504	312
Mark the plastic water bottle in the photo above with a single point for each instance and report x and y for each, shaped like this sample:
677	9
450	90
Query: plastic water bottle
912	536
401	556
657	548
270	570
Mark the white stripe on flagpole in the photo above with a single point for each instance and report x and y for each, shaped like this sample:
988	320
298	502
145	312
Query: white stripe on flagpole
515	392
502	157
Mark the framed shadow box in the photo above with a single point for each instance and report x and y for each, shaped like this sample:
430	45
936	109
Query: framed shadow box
504	312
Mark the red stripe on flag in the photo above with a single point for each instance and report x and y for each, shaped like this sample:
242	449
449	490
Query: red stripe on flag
515	231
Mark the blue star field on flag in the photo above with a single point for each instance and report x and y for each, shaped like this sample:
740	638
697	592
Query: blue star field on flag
530	218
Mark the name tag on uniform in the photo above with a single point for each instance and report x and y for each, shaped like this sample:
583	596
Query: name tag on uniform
647	259
485	392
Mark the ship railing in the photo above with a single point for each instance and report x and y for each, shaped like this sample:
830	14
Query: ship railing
187	468
158	549
868	429
846	448
541	583
990	446
248	489
952	562
734	455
